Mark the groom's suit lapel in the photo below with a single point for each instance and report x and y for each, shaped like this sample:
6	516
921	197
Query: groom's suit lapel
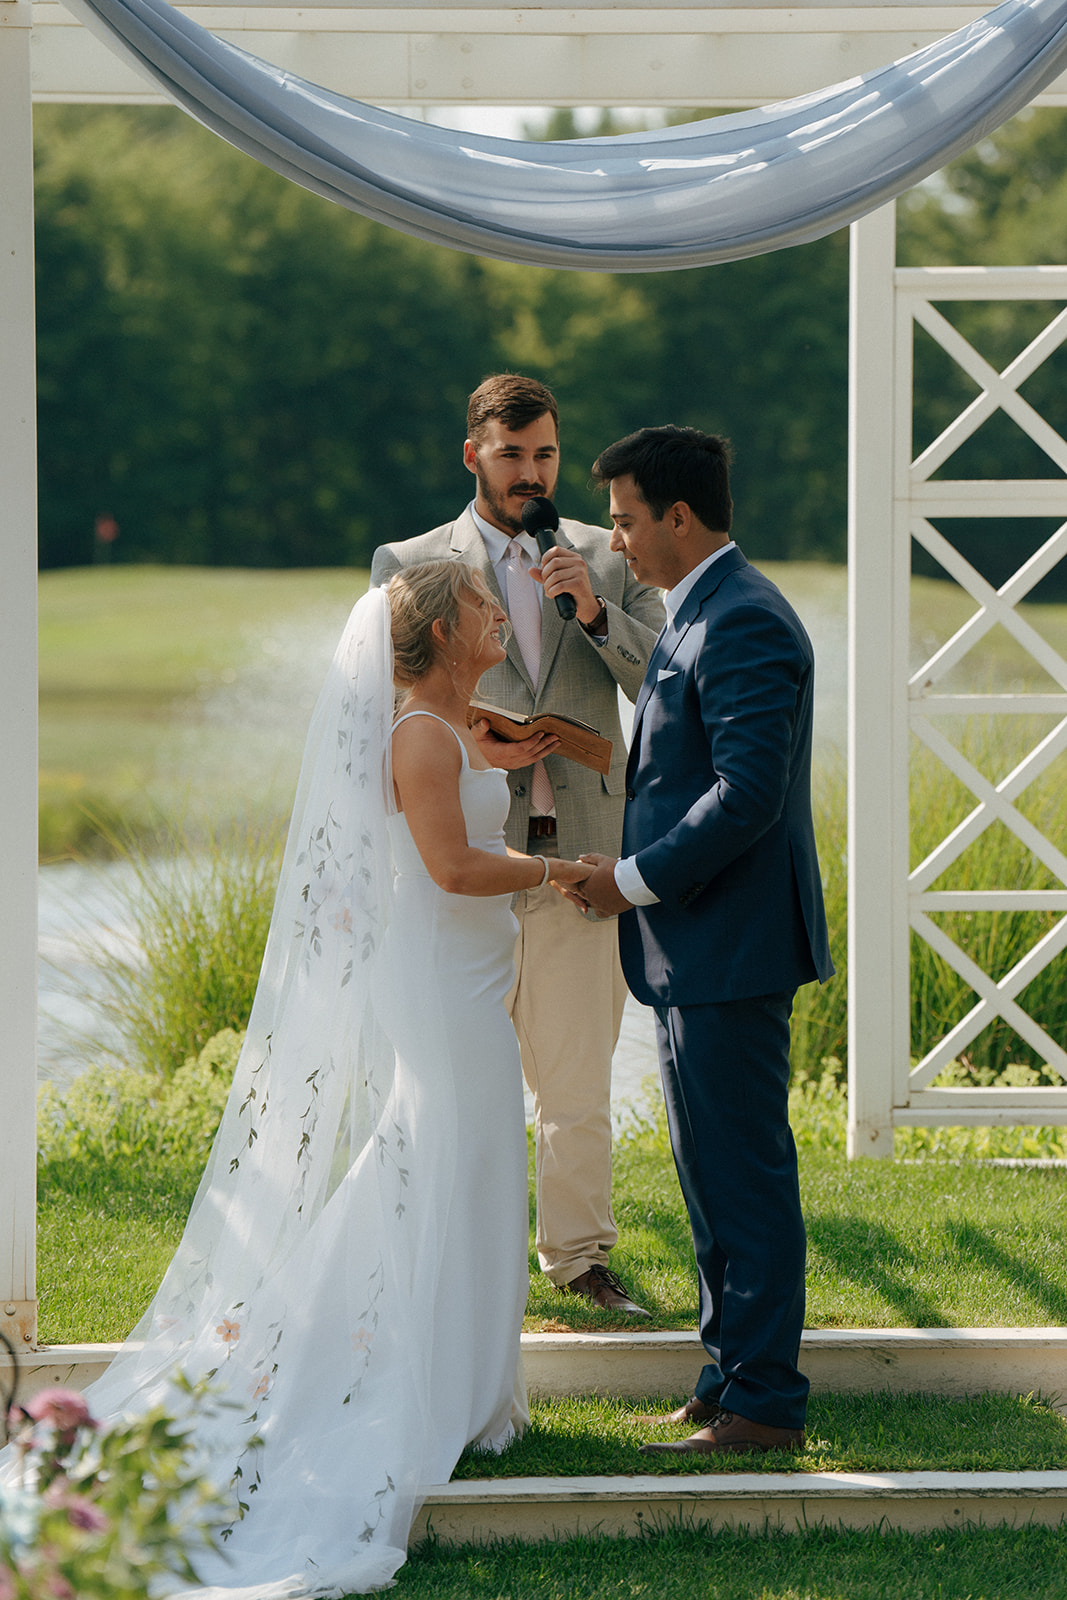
674	631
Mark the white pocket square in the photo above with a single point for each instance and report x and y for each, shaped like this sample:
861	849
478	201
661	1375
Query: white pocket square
666	672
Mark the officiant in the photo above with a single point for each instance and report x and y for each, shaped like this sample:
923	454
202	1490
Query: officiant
567	1000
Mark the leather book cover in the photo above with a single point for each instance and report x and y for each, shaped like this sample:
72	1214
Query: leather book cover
577	740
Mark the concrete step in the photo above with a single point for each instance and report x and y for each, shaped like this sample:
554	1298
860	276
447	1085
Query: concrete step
953	1361
917	1502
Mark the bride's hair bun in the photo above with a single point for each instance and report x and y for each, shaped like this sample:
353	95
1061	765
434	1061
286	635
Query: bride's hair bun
433	591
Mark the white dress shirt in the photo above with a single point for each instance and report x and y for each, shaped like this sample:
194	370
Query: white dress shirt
496	543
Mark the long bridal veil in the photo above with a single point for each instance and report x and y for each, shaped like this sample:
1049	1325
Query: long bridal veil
303	1281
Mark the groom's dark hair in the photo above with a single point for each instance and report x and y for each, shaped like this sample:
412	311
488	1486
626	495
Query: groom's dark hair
670	464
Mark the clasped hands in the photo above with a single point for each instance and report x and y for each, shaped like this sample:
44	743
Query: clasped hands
598	892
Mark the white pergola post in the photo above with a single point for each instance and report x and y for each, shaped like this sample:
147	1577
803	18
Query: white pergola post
878	1000
18	695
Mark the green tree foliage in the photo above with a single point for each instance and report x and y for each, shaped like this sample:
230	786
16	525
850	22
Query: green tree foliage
239	372
242	373
755	349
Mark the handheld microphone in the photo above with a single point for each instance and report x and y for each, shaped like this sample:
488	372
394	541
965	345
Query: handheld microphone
540	520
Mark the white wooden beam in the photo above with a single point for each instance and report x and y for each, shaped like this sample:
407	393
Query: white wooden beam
18	700
639	53
878	1009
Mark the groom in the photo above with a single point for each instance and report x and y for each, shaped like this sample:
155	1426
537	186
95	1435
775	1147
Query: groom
722	916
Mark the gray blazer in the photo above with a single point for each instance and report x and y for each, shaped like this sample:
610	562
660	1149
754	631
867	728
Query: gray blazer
578	677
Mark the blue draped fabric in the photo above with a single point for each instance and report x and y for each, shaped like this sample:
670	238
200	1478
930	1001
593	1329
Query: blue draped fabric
712	191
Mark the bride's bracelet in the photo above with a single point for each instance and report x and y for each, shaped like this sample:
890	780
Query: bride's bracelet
544	878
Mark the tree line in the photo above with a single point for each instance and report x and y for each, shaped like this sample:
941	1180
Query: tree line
233	371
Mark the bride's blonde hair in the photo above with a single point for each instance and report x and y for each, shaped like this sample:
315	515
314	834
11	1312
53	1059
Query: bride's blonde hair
433	591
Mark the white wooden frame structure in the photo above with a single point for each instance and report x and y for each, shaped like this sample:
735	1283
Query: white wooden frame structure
892	498
607	52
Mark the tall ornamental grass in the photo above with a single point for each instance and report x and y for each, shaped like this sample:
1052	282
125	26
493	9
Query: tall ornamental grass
198	920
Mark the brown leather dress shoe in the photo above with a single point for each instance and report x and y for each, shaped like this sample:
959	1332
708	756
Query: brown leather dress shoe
694	1410
604	1289
728	1434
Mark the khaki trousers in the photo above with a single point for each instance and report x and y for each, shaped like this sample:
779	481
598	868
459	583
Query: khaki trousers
566	1005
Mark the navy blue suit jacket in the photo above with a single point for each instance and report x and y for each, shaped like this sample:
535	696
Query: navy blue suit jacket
718	809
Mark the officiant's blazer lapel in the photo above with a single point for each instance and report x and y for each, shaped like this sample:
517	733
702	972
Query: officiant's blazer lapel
468	545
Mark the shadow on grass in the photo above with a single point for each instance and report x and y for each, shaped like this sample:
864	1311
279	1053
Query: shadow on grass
590	1436
870	1255
975	1242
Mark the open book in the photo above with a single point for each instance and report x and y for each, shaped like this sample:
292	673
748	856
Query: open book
576	739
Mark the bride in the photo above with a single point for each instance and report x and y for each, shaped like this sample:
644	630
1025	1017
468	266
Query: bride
352	1277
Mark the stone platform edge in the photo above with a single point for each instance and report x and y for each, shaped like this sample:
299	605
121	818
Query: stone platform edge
917	1502
632	1365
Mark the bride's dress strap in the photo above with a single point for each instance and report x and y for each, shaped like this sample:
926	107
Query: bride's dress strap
444	724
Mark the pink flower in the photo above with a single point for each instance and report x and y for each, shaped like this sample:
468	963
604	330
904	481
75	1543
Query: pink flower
83	1514
65	1409
261	1387
231	1331
60	1588
7	1587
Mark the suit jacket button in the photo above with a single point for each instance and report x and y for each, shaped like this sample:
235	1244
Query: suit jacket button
630	794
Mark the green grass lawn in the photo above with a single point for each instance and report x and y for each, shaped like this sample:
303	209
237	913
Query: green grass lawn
591	1437
180	690
1026	1563
930	1244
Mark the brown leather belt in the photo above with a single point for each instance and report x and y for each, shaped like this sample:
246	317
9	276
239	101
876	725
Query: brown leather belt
542	828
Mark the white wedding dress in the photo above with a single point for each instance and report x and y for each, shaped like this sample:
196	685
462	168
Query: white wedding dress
354	1271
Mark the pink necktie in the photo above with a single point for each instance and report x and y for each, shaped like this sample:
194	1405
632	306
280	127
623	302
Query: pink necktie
525	611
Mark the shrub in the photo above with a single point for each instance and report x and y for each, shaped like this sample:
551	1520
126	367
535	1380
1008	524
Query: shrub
113	1113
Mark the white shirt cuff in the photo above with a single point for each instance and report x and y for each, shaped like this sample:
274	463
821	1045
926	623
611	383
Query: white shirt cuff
630	883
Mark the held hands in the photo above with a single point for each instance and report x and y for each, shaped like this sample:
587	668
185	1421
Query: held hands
565	572
562	873
599	892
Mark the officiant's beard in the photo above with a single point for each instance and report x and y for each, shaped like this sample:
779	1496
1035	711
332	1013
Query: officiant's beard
506	509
